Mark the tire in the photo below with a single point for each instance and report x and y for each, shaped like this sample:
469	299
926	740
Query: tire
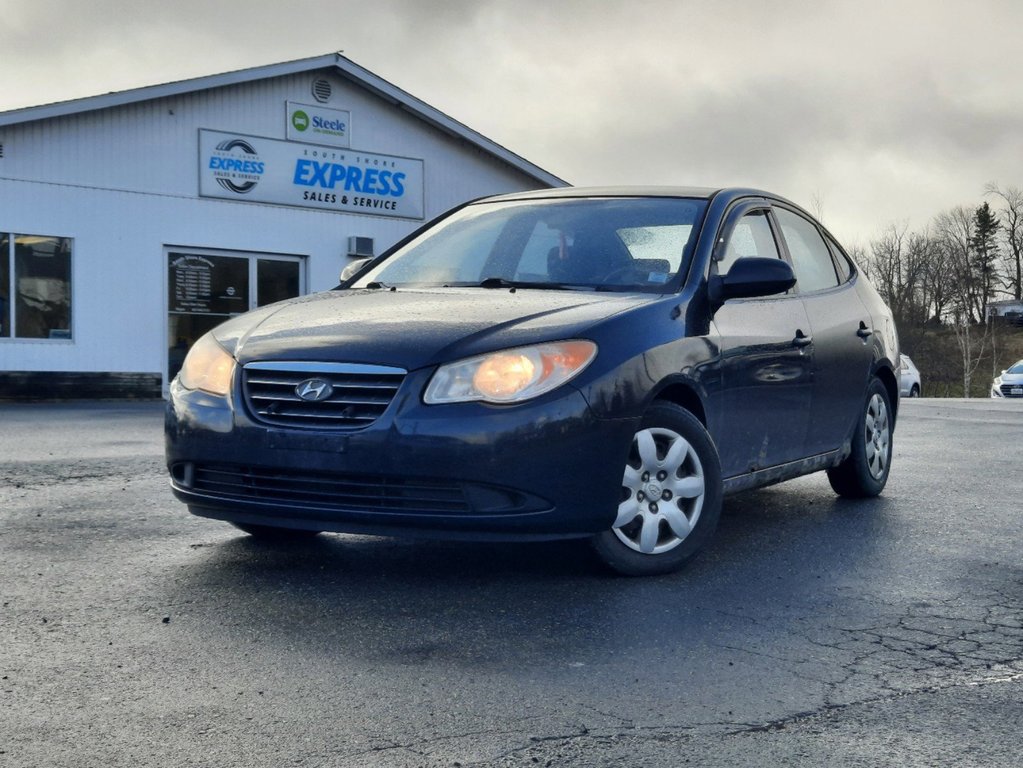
673	459
271	533
864	473
915	391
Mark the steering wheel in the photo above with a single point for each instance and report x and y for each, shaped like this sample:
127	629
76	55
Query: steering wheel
611	277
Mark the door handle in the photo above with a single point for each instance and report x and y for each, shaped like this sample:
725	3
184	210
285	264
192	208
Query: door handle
864	332
802	340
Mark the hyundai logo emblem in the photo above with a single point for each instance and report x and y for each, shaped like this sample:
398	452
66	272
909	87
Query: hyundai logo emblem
314	390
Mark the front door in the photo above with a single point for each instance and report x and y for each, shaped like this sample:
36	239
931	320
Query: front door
765	364
205	288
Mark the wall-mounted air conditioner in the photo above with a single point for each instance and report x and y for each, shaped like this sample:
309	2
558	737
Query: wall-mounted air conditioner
360	246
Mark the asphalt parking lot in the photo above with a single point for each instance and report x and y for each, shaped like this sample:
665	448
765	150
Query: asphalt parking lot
814	631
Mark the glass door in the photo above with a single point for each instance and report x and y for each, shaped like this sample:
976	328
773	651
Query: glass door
207	288
276	280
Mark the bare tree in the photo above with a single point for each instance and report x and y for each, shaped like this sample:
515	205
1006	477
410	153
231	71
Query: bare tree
970	346
885	259
1011	215
910	270
954	233
936	279
817	206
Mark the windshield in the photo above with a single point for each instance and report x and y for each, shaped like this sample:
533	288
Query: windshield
1016	367
624	244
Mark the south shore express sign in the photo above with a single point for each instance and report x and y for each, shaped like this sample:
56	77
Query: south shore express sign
259	170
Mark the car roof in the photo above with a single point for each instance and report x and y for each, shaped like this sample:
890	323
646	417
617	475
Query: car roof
703	193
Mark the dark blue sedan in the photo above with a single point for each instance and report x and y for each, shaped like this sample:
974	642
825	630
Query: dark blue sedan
601	363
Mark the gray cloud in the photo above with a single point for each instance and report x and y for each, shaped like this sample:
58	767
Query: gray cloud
882	110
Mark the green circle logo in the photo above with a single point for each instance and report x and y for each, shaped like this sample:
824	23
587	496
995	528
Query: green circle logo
300	120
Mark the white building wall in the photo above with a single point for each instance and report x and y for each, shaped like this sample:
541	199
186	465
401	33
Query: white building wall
123	183
119	267
152	146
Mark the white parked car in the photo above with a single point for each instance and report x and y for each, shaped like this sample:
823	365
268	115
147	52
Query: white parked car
1010	383
909	378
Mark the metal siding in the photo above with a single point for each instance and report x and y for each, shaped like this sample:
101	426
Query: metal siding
152	146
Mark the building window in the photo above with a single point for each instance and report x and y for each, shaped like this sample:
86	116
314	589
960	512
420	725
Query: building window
35	287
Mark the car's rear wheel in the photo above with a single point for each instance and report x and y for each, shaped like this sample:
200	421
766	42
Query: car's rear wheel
915	391
274	533
865	471
670	497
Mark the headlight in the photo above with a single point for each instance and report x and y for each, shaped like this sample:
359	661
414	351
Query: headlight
207	367
511	375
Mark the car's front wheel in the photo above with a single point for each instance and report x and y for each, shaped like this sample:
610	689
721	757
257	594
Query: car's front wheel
865	471
670	496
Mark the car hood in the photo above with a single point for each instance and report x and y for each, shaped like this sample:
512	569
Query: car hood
1016	379
415	328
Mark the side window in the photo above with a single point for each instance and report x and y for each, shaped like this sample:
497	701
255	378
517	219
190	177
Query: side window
811	259
750	237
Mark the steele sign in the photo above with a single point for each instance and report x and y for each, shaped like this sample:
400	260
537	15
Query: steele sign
319	125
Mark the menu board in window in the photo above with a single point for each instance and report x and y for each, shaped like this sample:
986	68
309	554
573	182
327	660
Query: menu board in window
217	285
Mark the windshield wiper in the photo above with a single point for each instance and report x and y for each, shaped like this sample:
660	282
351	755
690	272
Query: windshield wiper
503	282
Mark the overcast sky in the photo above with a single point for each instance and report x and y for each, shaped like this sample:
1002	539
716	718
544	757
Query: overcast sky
869	112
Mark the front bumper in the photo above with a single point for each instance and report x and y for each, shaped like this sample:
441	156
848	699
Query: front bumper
1007	389
544	469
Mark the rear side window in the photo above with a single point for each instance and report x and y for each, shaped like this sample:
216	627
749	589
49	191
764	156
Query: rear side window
842	263
811	258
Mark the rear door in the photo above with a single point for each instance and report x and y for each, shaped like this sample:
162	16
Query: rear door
841	329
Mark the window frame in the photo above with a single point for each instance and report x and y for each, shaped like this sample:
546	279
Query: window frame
732	217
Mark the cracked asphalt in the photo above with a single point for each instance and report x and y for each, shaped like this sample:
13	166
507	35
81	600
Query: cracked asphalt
814	631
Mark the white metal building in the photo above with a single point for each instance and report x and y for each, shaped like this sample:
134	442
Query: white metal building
1010	309
133	222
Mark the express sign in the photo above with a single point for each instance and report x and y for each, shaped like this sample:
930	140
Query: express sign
262	170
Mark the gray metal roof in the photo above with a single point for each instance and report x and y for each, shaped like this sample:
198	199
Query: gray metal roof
343	66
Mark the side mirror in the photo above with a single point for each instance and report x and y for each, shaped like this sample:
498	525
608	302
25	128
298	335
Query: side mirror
750	277
352	268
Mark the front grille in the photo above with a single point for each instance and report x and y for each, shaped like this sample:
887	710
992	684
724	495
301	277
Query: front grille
1007	390
330	492
359	394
